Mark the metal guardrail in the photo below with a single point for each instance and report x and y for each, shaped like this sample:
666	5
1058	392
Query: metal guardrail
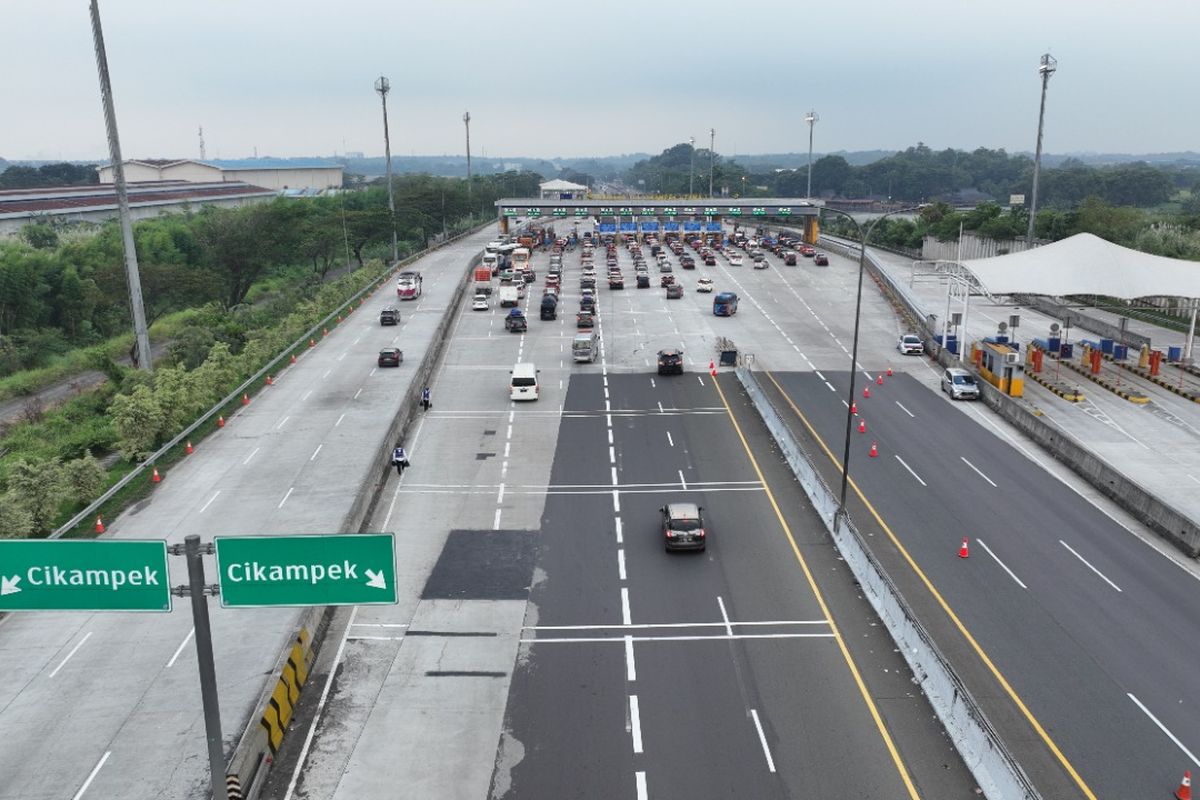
95	505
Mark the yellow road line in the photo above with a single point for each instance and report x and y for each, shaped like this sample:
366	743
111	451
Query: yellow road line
958	623
812	583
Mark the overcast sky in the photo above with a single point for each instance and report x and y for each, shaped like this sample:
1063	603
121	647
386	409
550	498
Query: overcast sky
598	78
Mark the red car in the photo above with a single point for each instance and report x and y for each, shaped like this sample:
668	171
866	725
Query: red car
808	251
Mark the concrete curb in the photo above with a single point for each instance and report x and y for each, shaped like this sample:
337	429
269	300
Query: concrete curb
994	768
256	747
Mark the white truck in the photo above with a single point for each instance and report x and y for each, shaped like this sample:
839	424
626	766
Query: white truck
508	296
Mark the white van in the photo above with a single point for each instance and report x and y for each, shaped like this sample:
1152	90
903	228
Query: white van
585	347
524	382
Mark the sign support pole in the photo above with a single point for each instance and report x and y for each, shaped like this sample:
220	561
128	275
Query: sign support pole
196	588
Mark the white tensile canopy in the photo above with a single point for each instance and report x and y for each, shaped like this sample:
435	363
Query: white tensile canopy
1087	264
561	186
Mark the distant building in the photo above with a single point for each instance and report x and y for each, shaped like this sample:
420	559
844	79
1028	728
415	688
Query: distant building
98	204
561	190
270	173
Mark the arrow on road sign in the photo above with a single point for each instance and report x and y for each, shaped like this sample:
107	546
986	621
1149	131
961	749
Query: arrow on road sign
377	581
9	585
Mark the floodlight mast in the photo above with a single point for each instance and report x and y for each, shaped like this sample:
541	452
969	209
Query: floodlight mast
811	118
383	86
1046	68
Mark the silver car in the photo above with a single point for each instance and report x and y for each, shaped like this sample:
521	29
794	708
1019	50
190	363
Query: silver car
959	384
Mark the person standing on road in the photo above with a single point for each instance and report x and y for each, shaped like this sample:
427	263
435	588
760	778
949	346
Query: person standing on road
425	403
399	460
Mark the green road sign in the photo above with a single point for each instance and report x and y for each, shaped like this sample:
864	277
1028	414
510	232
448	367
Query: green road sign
340	569
93	575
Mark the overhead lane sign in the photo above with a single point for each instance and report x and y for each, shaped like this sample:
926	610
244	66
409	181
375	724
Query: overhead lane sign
337	569
97	575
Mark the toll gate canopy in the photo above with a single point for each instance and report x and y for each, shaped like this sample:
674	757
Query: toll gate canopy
651	216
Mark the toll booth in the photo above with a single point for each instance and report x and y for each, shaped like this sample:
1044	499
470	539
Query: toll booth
1000	365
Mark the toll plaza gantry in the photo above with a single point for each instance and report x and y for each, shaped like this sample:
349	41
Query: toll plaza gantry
679	215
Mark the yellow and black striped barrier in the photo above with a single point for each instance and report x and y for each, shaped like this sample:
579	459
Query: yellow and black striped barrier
287	690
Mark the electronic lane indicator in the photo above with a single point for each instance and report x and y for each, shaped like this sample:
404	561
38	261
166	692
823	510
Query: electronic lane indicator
339	569
84	575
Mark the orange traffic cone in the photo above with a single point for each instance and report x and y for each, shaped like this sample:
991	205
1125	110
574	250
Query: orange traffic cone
220	421
312	342
862	426
1184	792
879	381
189	447
269	381
874	451
245	399
99	524
156	478
325	331
866	391
962	551
889	372
854	408
293	358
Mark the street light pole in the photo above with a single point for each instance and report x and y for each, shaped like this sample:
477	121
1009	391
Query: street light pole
383	86
1047	67
712	142
862	263
691	164
811	118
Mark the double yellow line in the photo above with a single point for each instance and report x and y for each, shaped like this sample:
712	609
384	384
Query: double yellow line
958	623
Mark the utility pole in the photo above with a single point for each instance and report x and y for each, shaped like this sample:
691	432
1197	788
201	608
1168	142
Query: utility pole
1047	68
712	142
383	86
141	333
203	154
691	165
811	118
467	122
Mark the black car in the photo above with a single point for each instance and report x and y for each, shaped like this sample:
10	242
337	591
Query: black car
389	316
516	323
390	357
674	291
549	309
643	280
683	527
670	362
585	319
616	281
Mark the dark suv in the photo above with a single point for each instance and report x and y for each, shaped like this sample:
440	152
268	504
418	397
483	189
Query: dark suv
683	527
670	362
389	316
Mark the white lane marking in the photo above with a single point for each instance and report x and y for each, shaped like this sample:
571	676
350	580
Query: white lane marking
252	452
507	445
326	375
670	441
504	469
512	415
285	497
343	355
209	503
356	394
608	419
711	637
500	495
339	420
312	729
74	650
652	384
905	410
509	434
830	385
306	394
910	471
771	623
980	474
620	533
314	455
625	619
635	723
682	480
92	775
182	645
1193	477
1089	566
1011	574
610	438
1163	728
660	407
630	666
639	778
616	502
614	475
612	454
496	520
699	378
762	739
621	563
725	616
817	372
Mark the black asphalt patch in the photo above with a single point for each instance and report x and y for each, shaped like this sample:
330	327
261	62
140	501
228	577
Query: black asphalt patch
483	565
